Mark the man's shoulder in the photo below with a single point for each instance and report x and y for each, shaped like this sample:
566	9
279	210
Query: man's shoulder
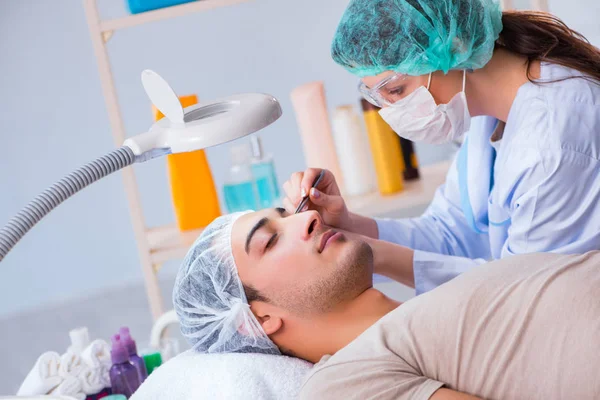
362	359
367	368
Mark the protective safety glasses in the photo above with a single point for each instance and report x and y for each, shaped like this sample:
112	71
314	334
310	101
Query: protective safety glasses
385	93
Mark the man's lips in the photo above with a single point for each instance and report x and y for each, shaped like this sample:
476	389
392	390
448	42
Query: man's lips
327	237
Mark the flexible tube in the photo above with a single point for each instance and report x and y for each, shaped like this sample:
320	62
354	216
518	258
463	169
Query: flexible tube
31	214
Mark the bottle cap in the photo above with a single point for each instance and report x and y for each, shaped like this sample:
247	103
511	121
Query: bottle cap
257	149
152	361
118	353
127	340
345	108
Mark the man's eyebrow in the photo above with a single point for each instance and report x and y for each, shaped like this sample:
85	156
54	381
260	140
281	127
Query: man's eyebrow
259	225
255	228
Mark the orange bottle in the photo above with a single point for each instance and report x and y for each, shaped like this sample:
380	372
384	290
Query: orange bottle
192	187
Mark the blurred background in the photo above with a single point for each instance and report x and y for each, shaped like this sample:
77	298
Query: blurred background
80	266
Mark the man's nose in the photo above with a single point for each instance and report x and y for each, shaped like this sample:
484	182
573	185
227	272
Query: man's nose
309	223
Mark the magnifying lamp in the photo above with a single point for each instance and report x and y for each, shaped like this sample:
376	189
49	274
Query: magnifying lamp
182	130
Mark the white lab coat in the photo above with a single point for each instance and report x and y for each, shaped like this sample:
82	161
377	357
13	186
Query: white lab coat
536	190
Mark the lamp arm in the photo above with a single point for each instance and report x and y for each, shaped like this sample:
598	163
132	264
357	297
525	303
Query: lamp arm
49	199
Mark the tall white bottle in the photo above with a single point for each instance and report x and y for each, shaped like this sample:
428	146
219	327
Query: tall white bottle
353	151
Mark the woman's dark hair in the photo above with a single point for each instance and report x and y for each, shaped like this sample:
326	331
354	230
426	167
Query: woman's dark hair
541	36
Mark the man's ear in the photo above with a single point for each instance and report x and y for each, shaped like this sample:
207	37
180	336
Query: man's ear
268	316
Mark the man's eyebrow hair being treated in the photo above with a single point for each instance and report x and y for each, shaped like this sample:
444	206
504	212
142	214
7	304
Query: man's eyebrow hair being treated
260	224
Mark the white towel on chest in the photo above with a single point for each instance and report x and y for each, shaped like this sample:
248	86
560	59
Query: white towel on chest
192	375
43	377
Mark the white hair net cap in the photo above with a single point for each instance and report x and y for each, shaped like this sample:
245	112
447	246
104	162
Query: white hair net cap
209	297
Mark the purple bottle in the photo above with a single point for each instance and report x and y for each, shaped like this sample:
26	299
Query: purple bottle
136	360
124	377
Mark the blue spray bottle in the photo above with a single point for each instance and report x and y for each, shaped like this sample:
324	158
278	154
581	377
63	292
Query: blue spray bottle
240	190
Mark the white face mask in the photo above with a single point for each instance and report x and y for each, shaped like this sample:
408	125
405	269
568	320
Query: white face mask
418	118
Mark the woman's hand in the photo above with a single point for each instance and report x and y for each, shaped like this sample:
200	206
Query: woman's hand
325	198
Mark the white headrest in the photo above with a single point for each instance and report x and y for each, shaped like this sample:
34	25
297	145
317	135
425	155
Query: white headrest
193	375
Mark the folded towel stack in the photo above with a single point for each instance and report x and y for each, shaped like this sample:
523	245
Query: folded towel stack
91	380
97	357
43	377
70	386
71	374
70	365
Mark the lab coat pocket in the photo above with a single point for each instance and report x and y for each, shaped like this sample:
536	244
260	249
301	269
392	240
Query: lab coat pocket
499	222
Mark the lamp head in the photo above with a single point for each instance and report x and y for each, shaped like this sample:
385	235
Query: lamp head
202	125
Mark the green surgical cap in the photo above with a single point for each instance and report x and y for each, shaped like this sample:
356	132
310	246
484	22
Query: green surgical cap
416	37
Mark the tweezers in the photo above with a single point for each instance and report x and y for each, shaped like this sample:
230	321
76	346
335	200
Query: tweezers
305	198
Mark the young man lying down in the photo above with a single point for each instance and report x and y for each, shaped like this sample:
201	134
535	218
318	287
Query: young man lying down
269	282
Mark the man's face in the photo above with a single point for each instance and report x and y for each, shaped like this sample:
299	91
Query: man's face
298	263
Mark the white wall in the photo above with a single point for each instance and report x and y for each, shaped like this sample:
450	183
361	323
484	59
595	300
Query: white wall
581	15
53	119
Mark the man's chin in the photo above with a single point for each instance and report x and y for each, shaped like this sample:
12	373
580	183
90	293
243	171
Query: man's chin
356	259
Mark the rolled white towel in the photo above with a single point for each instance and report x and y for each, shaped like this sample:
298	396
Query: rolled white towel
105	377
43	377
70	365
91	380
70	386
97	354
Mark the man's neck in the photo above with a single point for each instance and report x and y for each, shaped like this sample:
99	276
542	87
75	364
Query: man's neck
338	328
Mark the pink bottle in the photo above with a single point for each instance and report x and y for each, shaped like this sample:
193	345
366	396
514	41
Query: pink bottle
315	128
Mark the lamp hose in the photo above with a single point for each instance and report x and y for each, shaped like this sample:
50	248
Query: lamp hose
49	199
